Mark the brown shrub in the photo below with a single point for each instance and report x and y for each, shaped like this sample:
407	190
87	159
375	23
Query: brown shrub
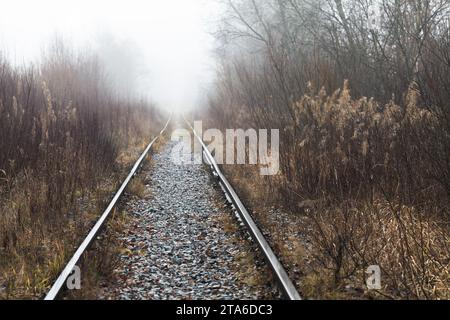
373	182
61	131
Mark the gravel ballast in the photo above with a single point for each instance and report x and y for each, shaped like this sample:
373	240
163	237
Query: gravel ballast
183	241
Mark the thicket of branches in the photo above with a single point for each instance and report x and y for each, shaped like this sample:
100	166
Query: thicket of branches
61	132
348	159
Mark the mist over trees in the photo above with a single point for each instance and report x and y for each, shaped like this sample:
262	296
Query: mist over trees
381	47
124	64
275	52
360	91
68	133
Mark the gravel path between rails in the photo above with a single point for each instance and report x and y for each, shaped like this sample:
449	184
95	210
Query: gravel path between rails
180	242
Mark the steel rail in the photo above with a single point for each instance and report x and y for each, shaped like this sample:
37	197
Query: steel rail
285	283
60	281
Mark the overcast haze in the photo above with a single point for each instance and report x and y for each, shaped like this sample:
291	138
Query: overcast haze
168	39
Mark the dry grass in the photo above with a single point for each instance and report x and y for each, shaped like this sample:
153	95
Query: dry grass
328	247
137	188
102	259
410	247
38	249
362	177
66	144
370	177
246	271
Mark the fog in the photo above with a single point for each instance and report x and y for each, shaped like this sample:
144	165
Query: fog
157	48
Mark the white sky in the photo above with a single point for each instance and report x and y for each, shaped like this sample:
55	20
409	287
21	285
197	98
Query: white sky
173	36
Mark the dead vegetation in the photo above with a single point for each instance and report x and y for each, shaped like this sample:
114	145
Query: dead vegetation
66	141
357	214
99	263
369	177
250	270
137	188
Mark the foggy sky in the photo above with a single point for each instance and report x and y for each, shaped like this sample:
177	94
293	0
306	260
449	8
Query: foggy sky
167	40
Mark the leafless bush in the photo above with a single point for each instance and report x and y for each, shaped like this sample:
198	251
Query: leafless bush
61	132
375	171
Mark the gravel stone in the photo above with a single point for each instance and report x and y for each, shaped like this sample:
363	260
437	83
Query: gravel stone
175	247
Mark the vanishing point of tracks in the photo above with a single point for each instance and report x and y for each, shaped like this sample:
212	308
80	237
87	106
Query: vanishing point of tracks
177	263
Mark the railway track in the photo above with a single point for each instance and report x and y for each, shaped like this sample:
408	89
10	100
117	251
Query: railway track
58	285
285	285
